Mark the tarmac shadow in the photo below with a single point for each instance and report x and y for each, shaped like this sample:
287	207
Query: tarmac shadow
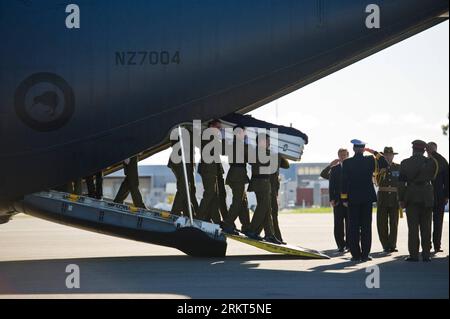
253	276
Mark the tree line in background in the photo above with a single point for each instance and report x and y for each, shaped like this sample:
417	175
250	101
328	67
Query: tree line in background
445	128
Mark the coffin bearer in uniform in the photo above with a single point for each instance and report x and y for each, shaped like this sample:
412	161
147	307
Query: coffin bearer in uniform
333	173
237	179
180	203
260	184
441	193
222	193
275	189
130	184
417	196
358	194
209	168
387	207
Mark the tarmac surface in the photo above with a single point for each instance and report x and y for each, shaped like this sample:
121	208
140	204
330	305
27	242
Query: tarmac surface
34	255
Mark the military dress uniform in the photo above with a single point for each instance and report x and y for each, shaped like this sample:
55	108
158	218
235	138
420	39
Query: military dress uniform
222	193
275	189
340	212
260	184
237	179
209	209
130	184
416	193
387	205
441	194
359	194
180	204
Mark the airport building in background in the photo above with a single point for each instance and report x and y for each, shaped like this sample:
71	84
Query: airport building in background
301	186
153	182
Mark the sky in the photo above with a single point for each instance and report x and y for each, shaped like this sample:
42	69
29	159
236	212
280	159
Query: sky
389	99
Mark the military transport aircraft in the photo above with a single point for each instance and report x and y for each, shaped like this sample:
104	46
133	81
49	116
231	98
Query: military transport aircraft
86	84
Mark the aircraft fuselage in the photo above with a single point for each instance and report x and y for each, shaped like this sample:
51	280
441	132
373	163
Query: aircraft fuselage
84	87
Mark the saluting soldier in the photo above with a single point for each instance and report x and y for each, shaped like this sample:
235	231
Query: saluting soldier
237	179
130	184
326	172
387	206
416	195
180	203
209	168
358	194
333	173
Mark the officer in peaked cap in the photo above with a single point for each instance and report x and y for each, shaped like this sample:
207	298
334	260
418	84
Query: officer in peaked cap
358	194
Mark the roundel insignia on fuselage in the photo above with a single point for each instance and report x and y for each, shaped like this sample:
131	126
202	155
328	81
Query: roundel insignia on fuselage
44	102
